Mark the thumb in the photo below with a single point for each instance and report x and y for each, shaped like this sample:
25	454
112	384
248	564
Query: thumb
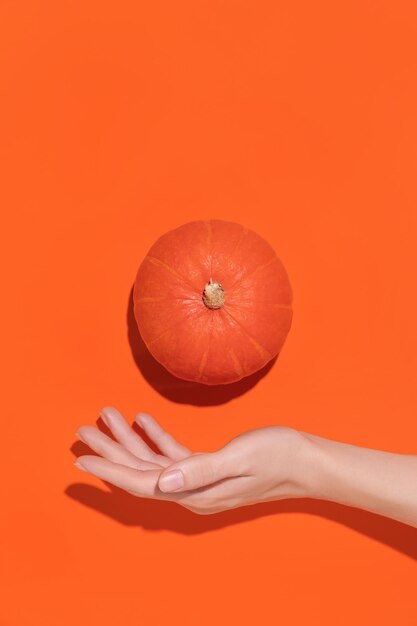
195	471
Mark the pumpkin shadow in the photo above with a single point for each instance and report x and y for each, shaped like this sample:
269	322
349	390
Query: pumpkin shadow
176	389
155	515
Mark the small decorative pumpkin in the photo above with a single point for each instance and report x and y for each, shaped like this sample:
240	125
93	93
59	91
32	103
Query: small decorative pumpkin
212	301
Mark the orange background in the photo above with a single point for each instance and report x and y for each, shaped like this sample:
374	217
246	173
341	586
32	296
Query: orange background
120	121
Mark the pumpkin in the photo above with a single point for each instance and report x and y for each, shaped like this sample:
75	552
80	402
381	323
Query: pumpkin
212	301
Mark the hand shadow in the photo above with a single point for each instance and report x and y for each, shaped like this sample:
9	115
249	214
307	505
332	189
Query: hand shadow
176	389
154	515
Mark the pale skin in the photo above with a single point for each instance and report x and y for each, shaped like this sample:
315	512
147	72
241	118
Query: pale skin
260	465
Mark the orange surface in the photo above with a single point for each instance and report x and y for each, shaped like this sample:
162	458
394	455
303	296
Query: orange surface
120	121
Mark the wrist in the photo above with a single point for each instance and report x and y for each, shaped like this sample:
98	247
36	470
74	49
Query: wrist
297	466
308	467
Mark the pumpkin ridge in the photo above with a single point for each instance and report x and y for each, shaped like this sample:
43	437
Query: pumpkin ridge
161	298
202	363
250	302
262	351
238	365
206	352
232	252
260	267
150	299
183	321
170	269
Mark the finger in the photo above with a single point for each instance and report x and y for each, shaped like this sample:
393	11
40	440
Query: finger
111	450
142	483
165	442
128	438
198	470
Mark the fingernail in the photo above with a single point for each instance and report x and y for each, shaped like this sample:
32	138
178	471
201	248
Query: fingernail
140	420
77	464
172	480
105	419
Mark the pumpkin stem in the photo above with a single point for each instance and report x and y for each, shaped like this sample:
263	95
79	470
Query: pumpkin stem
213	295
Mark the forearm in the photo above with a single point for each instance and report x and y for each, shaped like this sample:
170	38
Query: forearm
374	480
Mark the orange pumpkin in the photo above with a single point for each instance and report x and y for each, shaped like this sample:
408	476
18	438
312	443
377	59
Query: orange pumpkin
212	301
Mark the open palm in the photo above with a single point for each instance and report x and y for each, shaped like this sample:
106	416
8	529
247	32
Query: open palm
250	468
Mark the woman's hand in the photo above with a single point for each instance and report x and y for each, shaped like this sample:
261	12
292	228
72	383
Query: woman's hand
269	463
256	466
